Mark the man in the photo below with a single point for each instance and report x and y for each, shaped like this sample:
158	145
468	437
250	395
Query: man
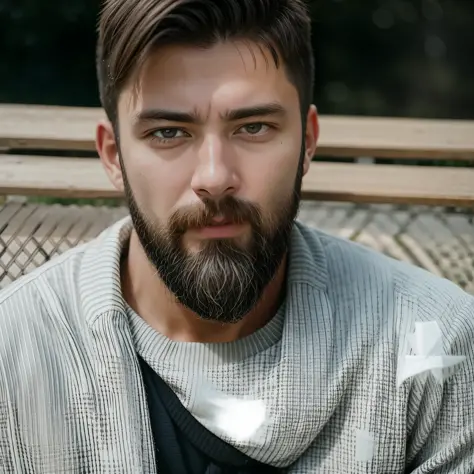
210	332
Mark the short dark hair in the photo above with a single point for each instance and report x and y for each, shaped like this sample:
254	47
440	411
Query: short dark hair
129	30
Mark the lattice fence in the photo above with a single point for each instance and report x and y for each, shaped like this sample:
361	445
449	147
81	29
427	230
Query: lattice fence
433	238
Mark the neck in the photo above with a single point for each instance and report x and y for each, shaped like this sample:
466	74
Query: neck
145	292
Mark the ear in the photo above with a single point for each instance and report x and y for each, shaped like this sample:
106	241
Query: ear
311	137
107	147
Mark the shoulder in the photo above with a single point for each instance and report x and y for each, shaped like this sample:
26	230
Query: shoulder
355	272
63	281
37	309
52	306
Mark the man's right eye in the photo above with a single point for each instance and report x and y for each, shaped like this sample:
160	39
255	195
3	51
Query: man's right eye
168	133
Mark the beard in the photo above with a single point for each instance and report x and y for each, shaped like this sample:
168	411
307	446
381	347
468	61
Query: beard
225	278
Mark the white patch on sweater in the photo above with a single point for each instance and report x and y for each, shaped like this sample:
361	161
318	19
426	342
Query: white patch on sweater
235	418
365	446
425	353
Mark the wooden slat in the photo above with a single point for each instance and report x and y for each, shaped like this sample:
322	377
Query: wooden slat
73	128
347	182
54	176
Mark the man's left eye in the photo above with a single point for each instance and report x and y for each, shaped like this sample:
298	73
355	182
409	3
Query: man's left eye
255	128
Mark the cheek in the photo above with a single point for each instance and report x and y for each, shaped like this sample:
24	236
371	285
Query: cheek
156	184
273	176
280	194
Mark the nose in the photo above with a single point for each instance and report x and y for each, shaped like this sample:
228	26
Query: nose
214	176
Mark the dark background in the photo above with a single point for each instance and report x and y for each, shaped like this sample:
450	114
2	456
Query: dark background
374	57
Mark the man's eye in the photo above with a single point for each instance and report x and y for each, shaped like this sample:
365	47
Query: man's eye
255	128
168	133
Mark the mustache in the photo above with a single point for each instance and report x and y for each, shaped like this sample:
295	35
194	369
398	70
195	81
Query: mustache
231	209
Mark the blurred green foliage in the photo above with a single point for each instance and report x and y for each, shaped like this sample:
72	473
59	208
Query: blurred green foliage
412	58
373	57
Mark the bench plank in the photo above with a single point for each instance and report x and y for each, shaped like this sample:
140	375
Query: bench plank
347	182
73	128
85	178
54	176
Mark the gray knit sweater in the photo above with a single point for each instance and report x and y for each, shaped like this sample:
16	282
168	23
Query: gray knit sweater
315	390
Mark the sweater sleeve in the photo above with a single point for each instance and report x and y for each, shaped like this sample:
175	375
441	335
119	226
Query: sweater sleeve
439	417
442	439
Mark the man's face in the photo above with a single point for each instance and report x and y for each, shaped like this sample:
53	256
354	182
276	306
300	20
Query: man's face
213	151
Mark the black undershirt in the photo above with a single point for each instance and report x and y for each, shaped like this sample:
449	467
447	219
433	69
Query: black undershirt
182	444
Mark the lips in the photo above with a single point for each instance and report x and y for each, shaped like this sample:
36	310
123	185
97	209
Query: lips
218	222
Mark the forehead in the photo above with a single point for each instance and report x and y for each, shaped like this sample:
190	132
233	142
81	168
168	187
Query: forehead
224	76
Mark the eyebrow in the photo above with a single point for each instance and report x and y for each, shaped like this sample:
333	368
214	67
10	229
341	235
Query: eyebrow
260	110
154	115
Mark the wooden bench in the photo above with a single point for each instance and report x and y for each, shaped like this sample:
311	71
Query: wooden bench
62	129
361	163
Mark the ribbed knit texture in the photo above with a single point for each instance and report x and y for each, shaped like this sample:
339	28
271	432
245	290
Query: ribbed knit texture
72	399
